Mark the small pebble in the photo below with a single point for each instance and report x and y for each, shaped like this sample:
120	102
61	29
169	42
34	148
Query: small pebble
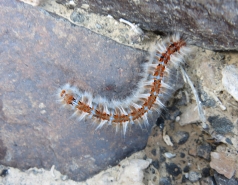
208	181
155	164
186	169
206	172
173	169
153	151
204	151
194	176
77	17
177	118
165	181
4	173
169	155
182	155
181	137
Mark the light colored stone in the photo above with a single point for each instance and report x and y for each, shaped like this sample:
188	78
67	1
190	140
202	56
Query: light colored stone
169	155
194	176
223	164
166	138
190	115
130	171
230	80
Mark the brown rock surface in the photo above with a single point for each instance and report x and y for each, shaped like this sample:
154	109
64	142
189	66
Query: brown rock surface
210	24
223	164
38	54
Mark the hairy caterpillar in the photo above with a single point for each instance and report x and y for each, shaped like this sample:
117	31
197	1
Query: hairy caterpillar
155	84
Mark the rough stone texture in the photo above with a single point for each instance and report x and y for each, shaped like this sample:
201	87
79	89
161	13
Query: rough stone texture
130	171
223	164
38	54
194	176
165	181
210	24
180	137
221	180
190	115
230	80
221	125
173	169
207	181
204	151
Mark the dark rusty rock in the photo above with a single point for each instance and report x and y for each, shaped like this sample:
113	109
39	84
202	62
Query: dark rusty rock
209	24
38	54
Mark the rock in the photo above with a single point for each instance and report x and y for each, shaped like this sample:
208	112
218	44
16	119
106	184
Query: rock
166	138
221	180
4	172
190	115
223	164
169	155
205	23
204	151
230	80
207	181
161	154
221	125
132	173
194	176
155	164
173	112
173	169
182	155
3	150
206	172
160	123
38	54
186	169
180	137
193	151
180	99
153	151
77	17
184	179
165	181
210	76
207	100
228	140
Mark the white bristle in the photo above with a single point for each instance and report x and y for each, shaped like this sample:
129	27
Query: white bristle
102	122
82	115
125	124
167	86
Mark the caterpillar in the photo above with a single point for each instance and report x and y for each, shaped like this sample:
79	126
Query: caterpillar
149	96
